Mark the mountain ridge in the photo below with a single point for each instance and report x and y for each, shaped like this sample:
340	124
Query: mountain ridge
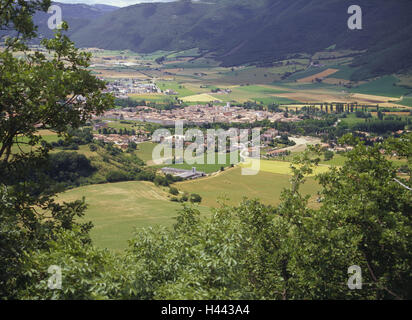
237	32
241	32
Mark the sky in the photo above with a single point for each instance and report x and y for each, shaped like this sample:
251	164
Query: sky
118	3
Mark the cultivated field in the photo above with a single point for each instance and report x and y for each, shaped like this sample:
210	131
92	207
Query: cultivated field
200	98
319	75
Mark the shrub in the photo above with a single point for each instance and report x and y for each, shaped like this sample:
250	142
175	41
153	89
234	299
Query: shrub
195	198
161	181
116	176
93	147
184	198
173	191
328	155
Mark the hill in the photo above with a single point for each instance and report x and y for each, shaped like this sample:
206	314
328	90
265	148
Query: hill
78	16
259	32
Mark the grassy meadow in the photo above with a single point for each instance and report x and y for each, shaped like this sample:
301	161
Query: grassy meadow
116	209
233	186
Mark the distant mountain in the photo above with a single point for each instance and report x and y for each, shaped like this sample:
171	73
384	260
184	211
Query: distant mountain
244	31
78	16
104	7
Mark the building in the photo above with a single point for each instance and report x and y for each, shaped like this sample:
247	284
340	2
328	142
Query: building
184	174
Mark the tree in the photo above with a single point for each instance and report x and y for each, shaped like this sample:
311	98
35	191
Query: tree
55	92
328	155
132	145
44	100
195	198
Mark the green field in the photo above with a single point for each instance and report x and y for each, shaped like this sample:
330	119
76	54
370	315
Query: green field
307	73
232	185
406	101
116	209
145	150
351	119
274	100
153	97
175	86
278	167
385	86
345	72
261	90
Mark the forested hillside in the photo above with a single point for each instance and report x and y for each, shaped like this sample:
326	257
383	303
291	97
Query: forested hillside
77	16
240	31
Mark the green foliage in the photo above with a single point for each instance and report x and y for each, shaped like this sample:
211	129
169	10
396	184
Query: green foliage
380	126
92	147
68	167
23	229
116	176
55	92
328	155
173	191
254	251
195	198
87	272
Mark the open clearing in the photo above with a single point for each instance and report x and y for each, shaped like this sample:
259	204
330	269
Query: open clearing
116	209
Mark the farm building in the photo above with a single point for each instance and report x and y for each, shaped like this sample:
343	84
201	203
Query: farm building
184	174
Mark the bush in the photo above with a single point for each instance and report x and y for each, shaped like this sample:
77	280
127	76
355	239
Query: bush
184	198
173	191
116	176
161	181
195	198
72	146
69	166
93	147
328	155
